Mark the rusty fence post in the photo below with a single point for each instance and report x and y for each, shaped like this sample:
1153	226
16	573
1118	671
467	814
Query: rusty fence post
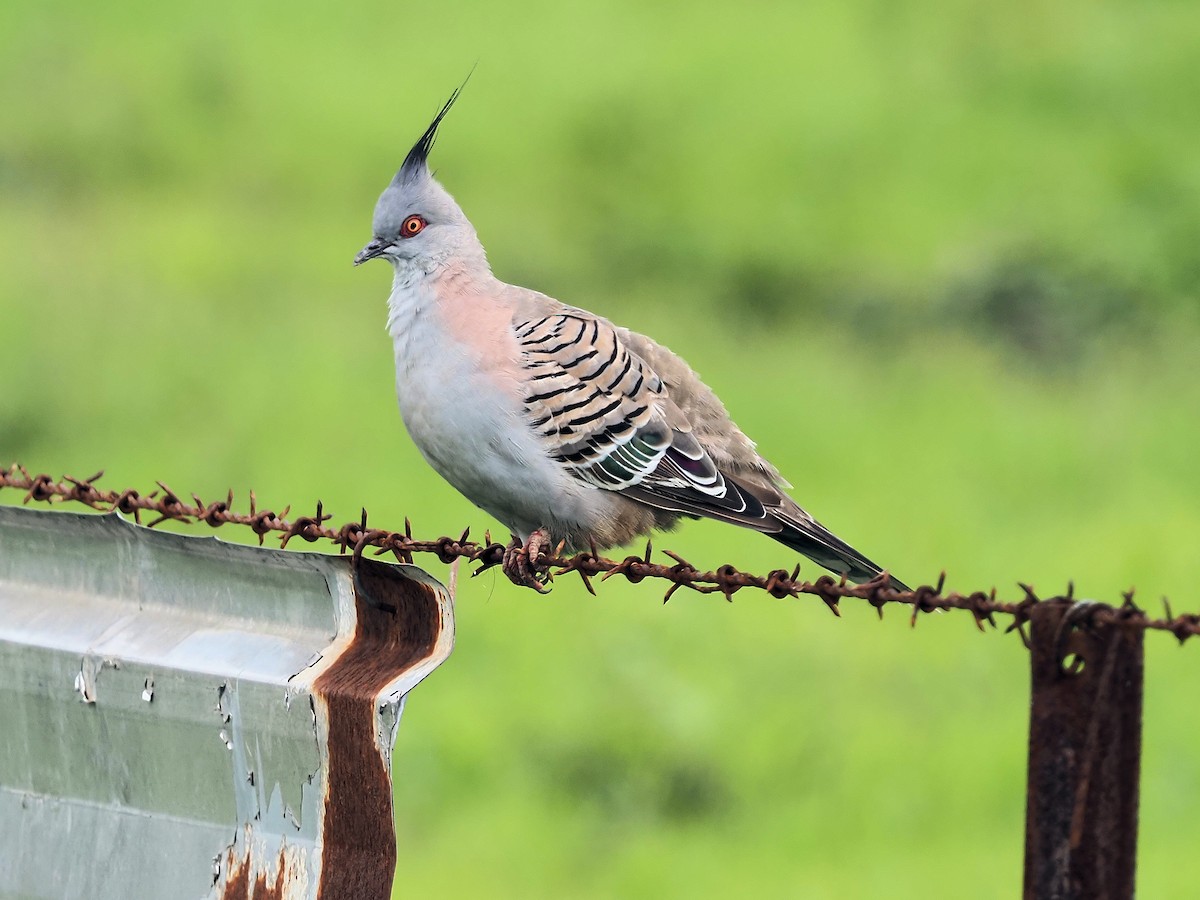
1085	728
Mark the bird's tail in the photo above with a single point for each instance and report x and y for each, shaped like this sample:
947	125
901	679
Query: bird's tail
820	545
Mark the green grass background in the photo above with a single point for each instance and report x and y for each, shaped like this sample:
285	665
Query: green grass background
939	259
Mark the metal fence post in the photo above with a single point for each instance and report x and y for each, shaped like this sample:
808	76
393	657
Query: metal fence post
1084	755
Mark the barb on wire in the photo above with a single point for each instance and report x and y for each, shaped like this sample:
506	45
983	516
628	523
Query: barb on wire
356	536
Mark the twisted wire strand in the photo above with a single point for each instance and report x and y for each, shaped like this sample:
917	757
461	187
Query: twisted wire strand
357	536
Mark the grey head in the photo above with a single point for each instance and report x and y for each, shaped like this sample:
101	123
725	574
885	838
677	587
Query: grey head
417	224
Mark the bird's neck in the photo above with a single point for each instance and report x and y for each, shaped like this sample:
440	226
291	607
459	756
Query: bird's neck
423	297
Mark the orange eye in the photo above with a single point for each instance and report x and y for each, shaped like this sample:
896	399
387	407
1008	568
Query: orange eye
412	226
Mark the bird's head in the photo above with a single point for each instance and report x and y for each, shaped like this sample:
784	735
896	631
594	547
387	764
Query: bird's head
417	224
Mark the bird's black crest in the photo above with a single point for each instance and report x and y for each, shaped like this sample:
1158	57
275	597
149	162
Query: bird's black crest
417	156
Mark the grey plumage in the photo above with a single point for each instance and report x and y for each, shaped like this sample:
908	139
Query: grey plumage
551	418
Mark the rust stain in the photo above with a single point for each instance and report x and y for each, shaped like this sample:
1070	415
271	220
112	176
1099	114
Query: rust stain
398	625
274	892
239	887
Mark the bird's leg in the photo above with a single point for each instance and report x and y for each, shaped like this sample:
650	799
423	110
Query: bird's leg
520	562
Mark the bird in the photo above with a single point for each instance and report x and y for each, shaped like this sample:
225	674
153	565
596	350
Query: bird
572	431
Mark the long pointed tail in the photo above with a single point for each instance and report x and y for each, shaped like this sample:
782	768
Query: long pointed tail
820	545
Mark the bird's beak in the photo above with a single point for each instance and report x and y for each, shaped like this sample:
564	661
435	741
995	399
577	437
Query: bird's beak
375	248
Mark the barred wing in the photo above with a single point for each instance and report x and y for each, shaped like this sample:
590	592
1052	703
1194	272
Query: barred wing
606	416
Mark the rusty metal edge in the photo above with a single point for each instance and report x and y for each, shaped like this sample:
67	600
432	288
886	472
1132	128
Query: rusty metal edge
403	627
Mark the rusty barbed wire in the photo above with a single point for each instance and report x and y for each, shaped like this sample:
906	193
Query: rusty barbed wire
356	537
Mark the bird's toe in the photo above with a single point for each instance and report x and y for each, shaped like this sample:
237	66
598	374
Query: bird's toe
520	563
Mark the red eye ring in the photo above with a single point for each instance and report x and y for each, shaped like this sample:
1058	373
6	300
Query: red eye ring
412	226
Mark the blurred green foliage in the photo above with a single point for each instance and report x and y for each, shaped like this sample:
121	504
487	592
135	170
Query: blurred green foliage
939	259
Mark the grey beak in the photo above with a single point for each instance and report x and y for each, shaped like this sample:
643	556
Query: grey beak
373	249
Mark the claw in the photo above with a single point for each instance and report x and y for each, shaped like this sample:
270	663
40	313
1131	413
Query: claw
520	562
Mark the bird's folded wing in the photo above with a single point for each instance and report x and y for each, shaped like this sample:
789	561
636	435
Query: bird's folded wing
606	416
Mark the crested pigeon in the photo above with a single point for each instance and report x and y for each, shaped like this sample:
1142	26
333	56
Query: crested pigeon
563	426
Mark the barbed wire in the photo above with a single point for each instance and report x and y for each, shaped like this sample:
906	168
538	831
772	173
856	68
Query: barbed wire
356	537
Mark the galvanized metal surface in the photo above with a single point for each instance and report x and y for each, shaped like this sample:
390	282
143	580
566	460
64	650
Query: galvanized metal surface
1084	755
187	718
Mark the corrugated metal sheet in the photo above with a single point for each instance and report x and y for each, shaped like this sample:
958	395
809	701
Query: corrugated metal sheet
180	717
